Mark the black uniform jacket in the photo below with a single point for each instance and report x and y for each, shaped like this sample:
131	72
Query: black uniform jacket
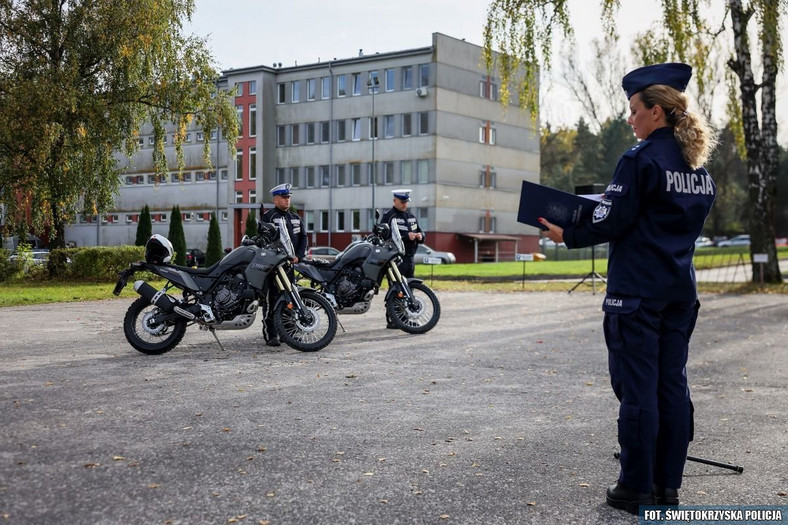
406	223
651	213
295	227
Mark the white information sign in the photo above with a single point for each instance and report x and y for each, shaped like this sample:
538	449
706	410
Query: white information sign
760	257
523	257
432	260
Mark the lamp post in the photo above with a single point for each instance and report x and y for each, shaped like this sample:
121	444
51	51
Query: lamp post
372	84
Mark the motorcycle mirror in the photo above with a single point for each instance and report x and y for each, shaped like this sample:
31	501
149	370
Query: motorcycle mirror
377	215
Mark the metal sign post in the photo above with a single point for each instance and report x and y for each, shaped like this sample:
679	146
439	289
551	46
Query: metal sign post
523	257
760	259
432	261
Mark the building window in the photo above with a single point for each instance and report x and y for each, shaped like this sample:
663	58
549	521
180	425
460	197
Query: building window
407	125
372	173
423	167
356	79
341	85
239	197
253	120
340	220
487	133
341	179
374	82
295	91
487	178
280	176
388	126
239	165
423	218
295	134
355	174
224	174
355	220
295	176
311	89
341	133
200	136
252	196
309	219
388	75
325	179
406	171
356	123
224	216
199	176
281	93
252	163
424	120
424	75
239	110
281	136
373	128
310	132
388	173
325	132
325	88
323	220
486	224
252	87
211	175
407	77
310	176
239	89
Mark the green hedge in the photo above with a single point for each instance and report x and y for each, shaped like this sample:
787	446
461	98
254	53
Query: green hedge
91	263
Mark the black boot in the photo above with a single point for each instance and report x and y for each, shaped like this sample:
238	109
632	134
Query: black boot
620	497
666	496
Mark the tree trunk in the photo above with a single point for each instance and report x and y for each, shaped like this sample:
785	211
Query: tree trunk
761	143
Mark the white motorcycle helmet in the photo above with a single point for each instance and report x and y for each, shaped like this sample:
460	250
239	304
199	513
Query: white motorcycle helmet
158	250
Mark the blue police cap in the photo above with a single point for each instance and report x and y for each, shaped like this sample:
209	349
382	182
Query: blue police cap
402	194
282	189
674	74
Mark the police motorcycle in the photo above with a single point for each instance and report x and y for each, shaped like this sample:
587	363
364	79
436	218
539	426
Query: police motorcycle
225	296
354	278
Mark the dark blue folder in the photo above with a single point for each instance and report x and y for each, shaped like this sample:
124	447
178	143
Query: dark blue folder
559	207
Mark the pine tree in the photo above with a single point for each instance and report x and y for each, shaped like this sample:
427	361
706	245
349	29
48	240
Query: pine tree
251	224
213	253
177	237
144	227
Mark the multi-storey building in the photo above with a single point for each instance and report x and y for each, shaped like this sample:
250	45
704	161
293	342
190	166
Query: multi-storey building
345	133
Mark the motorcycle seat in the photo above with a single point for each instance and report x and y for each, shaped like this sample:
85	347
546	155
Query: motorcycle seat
320	263
198	271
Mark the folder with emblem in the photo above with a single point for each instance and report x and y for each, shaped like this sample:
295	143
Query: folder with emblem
559	207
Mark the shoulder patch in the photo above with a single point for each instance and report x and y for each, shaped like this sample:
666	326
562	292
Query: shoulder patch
637	148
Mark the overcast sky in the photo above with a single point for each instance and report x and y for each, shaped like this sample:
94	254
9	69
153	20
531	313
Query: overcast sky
243	33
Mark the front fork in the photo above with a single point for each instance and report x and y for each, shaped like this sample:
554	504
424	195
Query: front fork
285	286
395	276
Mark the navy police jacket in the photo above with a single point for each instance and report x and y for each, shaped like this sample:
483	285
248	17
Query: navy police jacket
651	214
295	227
406	223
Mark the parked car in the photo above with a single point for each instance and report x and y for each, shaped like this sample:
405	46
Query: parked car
327	253
736	240
195	257
39	256
425	251
702	242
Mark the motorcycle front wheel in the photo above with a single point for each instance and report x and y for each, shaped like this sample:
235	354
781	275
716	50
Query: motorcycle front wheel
419	317
147	336
307	333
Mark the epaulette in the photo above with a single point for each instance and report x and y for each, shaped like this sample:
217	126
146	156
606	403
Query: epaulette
637	148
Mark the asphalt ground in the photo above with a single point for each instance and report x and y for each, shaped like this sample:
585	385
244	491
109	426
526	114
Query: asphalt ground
503	414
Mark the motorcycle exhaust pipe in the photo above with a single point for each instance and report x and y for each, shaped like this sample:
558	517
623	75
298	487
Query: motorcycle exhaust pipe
156	297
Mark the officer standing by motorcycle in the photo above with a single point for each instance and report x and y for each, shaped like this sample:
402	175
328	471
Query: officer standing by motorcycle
409	229
296	229
651	213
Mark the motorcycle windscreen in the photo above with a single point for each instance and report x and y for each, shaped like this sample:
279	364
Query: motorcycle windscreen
284	237
396	236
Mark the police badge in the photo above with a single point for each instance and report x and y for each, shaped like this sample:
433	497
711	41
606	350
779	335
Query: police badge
601	211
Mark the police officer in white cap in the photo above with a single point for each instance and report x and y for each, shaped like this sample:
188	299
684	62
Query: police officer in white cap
409	228
295	227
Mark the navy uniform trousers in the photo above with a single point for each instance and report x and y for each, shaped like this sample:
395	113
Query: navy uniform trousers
647	344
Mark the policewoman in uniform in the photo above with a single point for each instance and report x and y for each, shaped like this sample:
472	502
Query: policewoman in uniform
295	227
651	213
409	228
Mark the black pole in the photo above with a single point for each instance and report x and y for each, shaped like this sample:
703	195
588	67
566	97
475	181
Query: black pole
728	466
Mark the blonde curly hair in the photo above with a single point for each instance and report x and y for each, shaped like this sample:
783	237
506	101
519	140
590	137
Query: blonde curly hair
695	136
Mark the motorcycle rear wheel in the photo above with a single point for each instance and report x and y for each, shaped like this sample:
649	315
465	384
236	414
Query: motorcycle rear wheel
149	338
310	335
415	319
